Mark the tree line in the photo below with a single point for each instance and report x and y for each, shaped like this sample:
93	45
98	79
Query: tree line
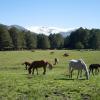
17	39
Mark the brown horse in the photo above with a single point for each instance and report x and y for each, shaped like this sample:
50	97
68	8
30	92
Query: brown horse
93	67
56	60
27	64
38	64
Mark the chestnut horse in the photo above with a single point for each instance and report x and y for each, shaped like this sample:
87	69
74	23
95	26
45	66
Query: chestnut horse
27	64
38	64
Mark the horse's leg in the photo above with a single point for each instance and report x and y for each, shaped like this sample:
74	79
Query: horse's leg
37	70
81	73
71	72
89	71
92	72
29	70
44	70
26	67
78	73
33	71
98	70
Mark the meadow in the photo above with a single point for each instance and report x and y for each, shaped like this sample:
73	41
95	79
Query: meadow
17	84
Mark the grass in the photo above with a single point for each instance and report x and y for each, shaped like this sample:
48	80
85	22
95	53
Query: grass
16	84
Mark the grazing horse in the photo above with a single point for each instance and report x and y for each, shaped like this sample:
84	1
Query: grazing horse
38	64
78	65
56	61
26	64
52	52
94	66
65	54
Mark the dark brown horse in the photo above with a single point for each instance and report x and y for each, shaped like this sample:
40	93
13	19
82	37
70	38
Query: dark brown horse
56	60
93	67
38	64
27	64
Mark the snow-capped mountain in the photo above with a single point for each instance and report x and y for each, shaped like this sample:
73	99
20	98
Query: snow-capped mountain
50	30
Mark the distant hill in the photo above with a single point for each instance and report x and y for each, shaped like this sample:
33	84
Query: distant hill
18	27
44	30
50	30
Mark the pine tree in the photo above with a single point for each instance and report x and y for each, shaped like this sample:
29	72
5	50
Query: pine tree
5	39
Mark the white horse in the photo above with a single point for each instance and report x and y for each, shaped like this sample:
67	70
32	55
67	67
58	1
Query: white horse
78	65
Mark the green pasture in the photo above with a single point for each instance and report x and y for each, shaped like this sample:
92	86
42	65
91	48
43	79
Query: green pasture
16	84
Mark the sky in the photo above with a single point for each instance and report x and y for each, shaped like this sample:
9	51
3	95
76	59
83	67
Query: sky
51	13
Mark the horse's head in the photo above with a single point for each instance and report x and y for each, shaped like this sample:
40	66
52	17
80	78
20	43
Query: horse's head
26	64
49	65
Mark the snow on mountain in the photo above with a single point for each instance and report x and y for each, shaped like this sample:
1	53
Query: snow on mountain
50	30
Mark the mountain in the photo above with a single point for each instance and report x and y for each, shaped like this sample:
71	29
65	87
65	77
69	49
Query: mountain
18	27
50	30
45	30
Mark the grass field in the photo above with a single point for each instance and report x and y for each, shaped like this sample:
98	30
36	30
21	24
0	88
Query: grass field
16	84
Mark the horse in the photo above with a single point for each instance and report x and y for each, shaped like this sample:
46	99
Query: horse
92	67
56	60
38	64
78	65
27	64
65	54
52	52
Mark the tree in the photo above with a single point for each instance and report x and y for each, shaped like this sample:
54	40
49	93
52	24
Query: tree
80	35
31	40
79	45
43	41
94	40
5	39
56	41
66	42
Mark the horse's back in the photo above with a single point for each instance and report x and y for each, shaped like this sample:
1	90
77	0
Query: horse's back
73	60
75	64
40	63
94	66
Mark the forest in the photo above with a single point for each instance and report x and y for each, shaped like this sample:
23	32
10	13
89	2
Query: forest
18	39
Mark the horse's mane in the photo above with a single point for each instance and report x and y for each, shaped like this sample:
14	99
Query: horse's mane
86	68
83	62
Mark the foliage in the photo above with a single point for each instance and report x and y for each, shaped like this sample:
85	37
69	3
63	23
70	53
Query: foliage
5	39
56	41
31	40
79	45
17	39
43	41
